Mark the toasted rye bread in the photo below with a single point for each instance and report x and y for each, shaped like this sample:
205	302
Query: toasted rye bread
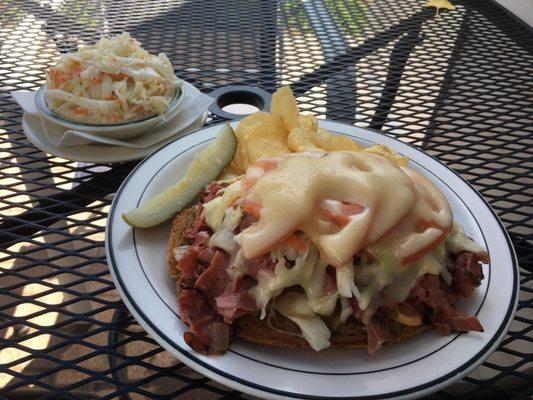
275	329
181	222
282	332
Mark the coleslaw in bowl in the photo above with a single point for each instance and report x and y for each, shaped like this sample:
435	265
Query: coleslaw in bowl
114	81
120	131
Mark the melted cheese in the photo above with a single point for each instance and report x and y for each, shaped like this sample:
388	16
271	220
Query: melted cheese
386	276
291	194
397	232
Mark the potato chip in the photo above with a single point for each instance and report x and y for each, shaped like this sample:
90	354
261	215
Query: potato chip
308	136
308	122
246	125
231	171
259	135
262	135
260	147
302	139
330	142
389	153
240	159
284	106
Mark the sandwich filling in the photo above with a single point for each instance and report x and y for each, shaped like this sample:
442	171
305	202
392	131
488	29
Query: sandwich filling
325	239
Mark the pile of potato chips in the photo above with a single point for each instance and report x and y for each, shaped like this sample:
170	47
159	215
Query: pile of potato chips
284	130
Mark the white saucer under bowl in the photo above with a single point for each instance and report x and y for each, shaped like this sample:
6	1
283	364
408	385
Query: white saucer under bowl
94	153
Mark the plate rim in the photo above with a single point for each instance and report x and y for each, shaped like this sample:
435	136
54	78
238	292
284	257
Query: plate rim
228	379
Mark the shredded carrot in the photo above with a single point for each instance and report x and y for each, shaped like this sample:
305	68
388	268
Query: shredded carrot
347	211
292	240
118	77
296	243
57	77
81	111
339	219
53	77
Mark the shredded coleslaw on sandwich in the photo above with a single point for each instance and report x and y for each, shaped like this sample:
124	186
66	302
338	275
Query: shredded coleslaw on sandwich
113	81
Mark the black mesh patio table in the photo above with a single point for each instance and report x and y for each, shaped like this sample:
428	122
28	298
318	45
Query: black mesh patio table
458	85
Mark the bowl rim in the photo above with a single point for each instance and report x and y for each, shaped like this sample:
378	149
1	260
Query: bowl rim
42	106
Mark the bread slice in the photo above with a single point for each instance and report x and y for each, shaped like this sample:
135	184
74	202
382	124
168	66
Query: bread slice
275	329
181	222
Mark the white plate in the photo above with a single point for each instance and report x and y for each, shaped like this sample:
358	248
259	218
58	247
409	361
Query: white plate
93	153
414	368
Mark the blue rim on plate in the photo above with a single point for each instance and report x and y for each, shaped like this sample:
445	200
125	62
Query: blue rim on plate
242	383
40	101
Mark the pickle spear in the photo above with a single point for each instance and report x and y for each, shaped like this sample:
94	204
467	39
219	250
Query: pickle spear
206	166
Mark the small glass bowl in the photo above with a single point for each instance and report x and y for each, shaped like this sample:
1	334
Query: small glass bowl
121	130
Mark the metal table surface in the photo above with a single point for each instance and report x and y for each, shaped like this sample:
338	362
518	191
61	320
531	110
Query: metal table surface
459	86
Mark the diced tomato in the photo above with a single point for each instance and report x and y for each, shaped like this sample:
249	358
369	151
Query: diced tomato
339	219
347	211
267	164
96	79
251	207
256	171
253	174
430	224
423	251
351	209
